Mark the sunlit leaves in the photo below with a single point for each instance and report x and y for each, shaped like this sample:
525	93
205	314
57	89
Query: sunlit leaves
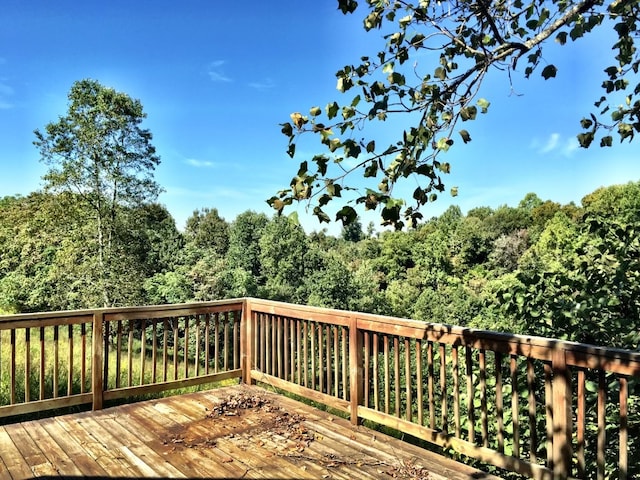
438	90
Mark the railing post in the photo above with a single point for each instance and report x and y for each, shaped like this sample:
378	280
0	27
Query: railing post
562	418
97	360
246	343
356	377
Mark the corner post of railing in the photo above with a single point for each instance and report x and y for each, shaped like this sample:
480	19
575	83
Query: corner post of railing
97	359
562	418
356	371
246	334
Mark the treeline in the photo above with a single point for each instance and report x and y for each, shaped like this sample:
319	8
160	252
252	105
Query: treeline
543	268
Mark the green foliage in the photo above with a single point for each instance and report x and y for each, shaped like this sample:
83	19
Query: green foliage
99	153
462	43
206	230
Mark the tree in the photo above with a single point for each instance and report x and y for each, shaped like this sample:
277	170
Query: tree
99	152
205	229
467	41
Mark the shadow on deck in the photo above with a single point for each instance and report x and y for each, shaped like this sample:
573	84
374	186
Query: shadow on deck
232	432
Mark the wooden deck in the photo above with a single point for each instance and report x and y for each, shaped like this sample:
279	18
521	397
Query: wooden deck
188	437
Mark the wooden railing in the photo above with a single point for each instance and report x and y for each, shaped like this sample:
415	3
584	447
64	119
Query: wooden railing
57	360
540	407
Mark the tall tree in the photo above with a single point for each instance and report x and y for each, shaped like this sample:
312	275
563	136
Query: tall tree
100	152
459	45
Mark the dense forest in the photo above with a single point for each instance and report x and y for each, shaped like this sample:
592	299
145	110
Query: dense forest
566	271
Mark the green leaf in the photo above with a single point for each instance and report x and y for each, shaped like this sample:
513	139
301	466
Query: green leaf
466	138
291	151
483	103
322	216
332	110
346	215
287	129
549	72
315	111
440	73
561	38
371	146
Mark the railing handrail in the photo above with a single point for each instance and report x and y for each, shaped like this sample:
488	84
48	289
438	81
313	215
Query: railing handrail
582	355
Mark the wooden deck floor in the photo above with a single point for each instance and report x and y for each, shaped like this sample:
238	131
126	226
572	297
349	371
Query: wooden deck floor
186	437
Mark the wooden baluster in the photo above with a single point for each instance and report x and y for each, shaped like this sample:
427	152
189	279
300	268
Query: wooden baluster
387	390
196	360
312	334
130	355
396	373
143	349
118	353
83	364
207	343
236	339
320	359
345	364
70	362
287	349
13	367
456	390
430	388
602	424
548	406
367	371
376	372
336	362
580	424
299	351
292	350
185	352
216	344
42	363
499	401
27	364
176	345
56	360
443	388
533	432
154	351
407	376
306	353
165	348
419	385
468	358
226	341
279	346
515	407
327	339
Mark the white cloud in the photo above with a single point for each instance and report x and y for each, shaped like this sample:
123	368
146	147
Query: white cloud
200	163
551	144
267	84
556	143
216	73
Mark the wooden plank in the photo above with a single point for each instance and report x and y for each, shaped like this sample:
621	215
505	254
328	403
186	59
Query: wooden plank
60	460
73	449
33	456
464	447
171	385
109	460
12	458
49	404
305	392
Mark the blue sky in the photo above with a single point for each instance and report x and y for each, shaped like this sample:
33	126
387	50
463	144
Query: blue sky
216	79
